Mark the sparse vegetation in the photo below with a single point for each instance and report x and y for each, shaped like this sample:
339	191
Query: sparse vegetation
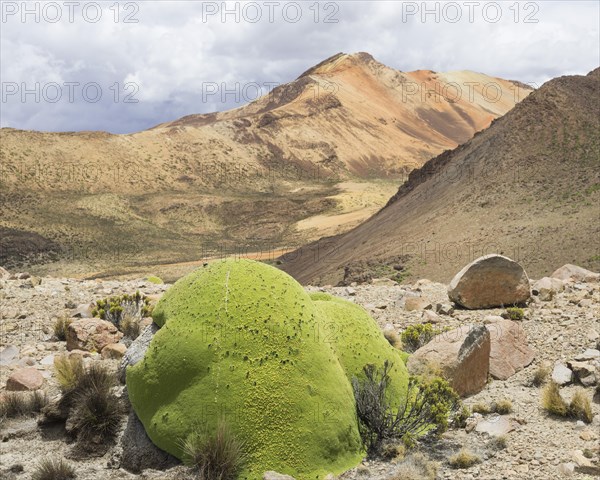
130	326
18	404
502	407
482	408
552	401
53	469
154	279
60	327
393	451
426	409
116	309
498	443
463	459
217	456
415	336
416	466
515	313
581	407
540	376
69	370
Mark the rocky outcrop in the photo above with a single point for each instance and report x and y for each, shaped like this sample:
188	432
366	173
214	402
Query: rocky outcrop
463	355
545	288
91	334
509	351
490	281
575	273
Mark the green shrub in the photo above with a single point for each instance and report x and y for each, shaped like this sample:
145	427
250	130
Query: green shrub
60	328
51	469
116	309
415	336
515	313
463	459
426	409
218	456
19	404
155	280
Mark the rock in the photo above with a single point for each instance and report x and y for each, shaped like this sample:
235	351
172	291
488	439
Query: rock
578	457
137	349
463	355
4	274
444	308
350	291
416	303
490	281
35	281
138	451
575	273
566	469
561	374
509	352
429	316
47	360
584	372
83	311
25	379
23	276
9	354
588	435
547	287
589	354
91	334
276	476
113	351
495	426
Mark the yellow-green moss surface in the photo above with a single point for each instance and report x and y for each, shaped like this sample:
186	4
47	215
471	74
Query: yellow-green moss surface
243	341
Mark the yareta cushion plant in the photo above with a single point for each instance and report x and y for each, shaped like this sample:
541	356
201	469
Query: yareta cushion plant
242	341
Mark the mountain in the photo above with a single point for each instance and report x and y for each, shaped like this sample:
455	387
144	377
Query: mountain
310	158
527	187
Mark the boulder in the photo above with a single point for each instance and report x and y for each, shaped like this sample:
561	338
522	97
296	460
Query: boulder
91	334
561	374
585	372
113	351
570	272
462	354
509	352
416	303
495	426
25	379
137	350
138	451
547	287
490	281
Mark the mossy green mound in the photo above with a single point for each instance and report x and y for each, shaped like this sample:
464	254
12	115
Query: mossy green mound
243	341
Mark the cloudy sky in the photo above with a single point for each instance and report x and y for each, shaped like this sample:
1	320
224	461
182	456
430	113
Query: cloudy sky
122	68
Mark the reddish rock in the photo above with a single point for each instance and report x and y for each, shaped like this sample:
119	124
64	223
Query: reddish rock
575	273
91	334
490	281
114	351
416	303
509	352
463	355
25	379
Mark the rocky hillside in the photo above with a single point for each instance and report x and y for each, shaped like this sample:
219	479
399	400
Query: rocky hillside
508	432
528	187
310	158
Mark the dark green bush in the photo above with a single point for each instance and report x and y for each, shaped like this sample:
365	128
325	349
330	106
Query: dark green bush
428	405
415	336
123	307
515	313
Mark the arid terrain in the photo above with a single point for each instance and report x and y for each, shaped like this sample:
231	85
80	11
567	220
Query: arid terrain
528	187
313	157
558	329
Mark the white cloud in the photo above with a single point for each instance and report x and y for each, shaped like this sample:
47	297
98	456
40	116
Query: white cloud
178	49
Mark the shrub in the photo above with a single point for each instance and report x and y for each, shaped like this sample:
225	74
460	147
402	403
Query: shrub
416	466
415	336
96	414
218	456
581	407
463	459
154	279
426	408
503	406
51	469
482	408
460	419
498	443
130	326
115	309
552	401
68	371
515	313
60	328
18	404
540	376
393	450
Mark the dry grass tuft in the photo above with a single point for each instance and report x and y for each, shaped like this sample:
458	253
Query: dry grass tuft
540	376
552	401
581	407
53	469
416	466
463	459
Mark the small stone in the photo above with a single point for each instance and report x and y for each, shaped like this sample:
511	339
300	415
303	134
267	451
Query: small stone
416	303
113	351
444	308
566	469
578	457
587	435
561	374
9	354
25	379
429	316
589	354
350	291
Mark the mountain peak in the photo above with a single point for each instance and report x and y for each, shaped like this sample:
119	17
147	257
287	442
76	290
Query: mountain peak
340	60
